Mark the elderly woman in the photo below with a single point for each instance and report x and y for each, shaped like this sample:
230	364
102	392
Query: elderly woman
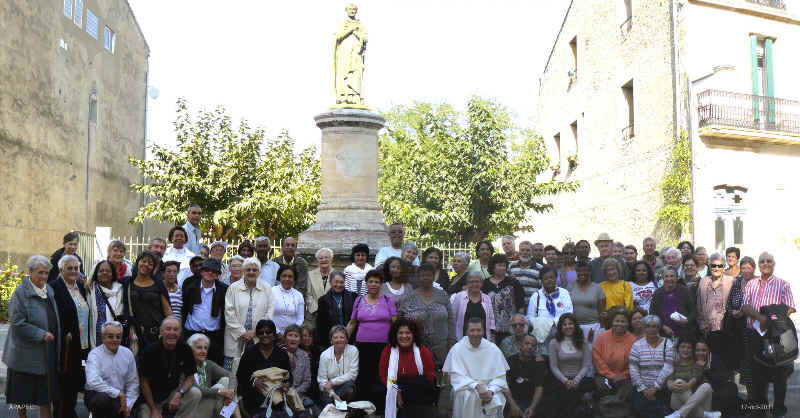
335	308
256	357
215	383
407	371
618	292
736	322
712	295
484	251
435	257
116	255
409	253
173	290
670	299
472	303
651	363
506	293
689	273
701	256
178	252
338	368
588	302
31	348
70	247
458	281
148	300
318	283
610	353
643	285
289	303
104	296
301	366
355	273
247	302
395	272
233	272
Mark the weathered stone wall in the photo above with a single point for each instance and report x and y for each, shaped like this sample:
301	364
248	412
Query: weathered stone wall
619	178
49	67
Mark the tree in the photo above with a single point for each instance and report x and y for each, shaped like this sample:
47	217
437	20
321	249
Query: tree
675	215
246	184
455	176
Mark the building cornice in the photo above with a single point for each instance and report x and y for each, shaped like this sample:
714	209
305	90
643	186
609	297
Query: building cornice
754	9
558	35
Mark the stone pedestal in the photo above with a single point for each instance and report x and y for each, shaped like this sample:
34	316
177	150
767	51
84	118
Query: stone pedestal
348	213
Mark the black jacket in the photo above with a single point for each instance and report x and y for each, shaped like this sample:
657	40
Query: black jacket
68	315
191	297
54	272
328	316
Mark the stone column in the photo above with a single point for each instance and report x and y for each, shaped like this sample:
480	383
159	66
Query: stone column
348	213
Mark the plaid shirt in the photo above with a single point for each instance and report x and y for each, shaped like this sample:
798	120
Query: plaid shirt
775	291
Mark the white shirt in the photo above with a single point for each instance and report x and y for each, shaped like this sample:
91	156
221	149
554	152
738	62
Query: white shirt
289	307
200	318
269	273
386	252
337	372
110	373
354	278
237	301
563	304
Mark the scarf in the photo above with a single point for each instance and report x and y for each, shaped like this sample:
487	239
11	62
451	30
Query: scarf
98	306
551	306
391	379
40	291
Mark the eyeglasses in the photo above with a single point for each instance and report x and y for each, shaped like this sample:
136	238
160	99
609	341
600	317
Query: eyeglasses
264	332
718	266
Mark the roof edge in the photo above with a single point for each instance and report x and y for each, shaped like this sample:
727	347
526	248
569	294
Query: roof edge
138	27
558	35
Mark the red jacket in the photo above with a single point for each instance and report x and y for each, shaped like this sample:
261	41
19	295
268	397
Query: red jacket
406	366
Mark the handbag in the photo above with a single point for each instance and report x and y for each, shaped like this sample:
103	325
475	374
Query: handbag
418	390
132	334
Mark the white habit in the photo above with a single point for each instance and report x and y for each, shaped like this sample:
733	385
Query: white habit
469	366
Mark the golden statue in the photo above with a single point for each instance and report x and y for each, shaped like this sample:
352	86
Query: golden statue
349	46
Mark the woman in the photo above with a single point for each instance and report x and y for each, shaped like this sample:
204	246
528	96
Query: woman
458	281
256	357
318	283
354	274
651	362
247	302
395	271
582	250
588	302
73	312
570	361
550	301
301	367
173	290
506	293
373	314
618	292
116	255
70	247
484	251
612	378
429	308
407	371
712	295
215	383
104	295
732	255
177	252
701	256
567	273
289	304
335	308
338	368
31	348
409	253
234	271
637	322
471	303
725	395
690	396
308	345
435	257
689	272
148	300
670	299
246	249
735	322
643	286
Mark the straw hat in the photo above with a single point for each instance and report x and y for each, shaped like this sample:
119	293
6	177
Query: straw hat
602	237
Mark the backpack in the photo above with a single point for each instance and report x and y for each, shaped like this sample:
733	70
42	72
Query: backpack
778	346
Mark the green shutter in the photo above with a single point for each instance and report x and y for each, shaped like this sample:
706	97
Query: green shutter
754	68
770	80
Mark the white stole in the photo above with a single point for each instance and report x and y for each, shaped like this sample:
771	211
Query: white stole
391	379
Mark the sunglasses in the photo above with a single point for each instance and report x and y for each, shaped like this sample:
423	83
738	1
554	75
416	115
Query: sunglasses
719	266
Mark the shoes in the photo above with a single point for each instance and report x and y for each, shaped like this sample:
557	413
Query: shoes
712	414
673	415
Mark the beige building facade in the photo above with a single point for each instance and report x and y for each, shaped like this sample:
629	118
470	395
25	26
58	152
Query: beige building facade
72	109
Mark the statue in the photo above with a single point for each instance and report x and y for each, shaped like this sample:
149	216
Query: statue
349	46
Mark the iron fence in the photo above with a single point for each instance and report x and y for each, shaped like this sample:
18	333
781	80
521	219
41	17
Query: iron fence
748	111
87	245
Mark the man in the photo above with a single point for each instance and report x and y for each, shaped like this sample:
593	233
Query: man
166	372
477	372
289	258
604	245
512	343
629	254
194	272
217	252
192	227
526	271
649	250
158	246
538	253
269	268
672	257
333	308
525	379
112	383
618	249
760	292
204	308
507	242
396	235
551	257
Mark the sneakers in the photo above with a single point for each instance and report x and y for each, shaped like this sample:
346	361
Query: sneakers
674	415
712	414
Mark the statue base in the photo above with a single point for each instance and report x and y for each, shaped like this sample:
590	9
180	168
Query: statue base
348	213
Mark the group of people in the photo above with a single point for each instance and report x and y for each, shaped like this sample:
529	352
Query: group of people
532	331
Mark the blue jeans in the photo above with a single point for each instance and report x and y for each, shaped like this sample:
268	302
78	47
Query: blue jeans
339	390
646	408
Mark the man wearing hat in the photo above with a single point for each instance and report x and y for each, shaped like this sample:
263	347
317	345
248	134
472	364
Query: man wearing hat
203	308
605	246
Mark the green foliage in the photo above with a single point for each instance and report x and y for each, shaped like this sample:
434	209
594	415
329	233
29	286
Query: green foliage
675	215
246	184
461	176
10	278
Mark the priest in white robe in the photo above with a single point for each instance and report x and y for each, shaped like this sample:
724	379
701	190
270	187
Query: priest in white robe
477	370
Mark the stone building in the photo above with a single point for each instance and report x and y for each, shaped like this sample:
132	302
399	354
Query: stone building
625	76
72	109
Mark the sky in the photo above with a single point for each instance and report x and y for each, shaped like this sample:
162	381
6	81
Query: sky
269	62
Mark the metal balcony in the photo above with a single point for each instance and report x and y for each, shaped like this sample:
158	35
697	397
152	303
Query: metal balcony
750	116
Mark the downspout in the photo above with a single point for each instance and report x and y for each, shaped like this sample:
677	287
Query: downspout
144	143
90	118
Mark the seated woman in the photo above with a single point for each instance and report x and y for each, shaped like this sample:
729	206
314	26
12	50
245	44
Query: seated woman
301	368
215	383
409	370
690	397
610	354
650	362
570	361
338	368
260	356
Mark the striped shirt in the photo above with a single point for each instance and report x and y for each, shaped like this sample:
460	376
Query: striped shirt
528	277
775	291
176	303
650	367
354	278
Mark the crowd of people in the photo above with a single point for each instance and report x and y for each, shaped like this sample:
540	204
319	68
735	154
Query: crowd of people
532	331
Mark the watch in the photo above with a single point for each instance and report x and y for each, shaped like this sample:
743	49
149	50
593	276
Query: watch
181	391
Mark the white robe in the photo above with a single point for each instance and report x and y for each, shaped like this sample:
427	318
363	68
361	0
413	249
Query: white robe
469	366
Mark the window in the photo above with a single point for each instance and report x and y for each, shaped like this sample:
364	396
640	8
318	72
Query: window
628	117
110	40
730	214
68	8
573	45
78	17
91	24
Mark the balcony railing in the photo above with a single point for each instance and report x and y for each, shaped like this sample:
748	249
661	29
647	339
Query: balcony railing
778	4
747	111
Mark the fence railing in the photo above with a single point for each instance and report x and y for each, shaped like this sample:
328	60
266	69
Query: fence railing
748	111
87	246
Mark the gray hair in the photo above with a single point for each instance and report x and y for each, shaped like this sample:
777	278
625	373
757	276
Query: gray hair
507	238
409	244
167	319
669	268
649	239
38	260
154	239
337	328
672	251
197	337
110	324
223	244
463	256
116	244
335	273
69	258
322	250
474	273
766	254
716	256
262	238
249	261
238	258
651	320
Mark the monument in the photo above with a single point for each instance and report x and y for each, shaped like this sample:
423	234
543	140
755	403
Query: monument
348	212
